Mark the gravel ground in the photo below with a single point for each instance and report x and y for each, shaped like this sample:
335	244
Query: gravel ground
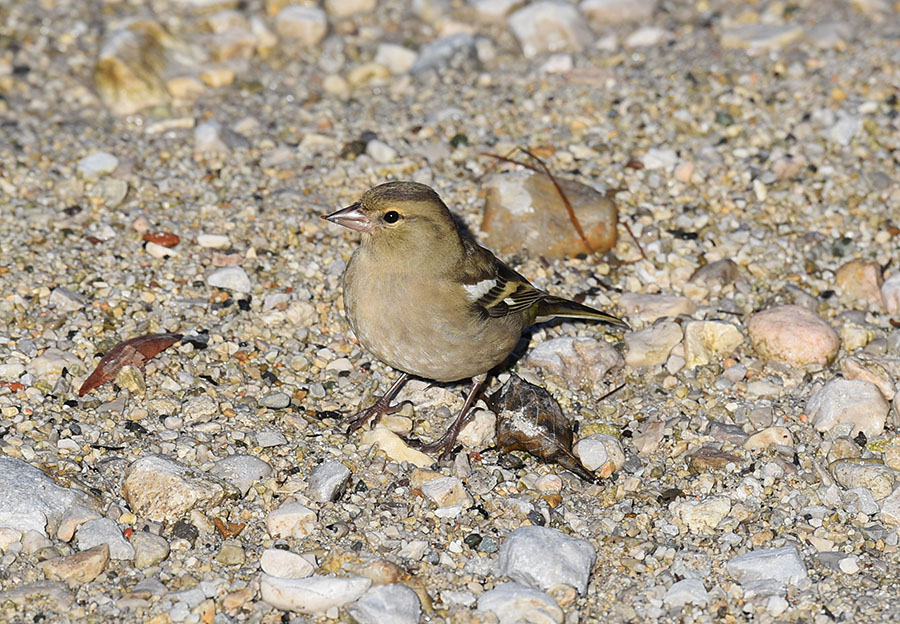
766	134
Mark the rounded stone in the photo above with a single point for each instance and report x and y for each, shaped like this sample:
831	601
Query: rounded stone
793	335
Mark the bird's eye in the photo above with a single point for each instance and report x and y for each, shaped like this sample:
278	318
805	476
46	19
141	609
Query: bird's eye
391	216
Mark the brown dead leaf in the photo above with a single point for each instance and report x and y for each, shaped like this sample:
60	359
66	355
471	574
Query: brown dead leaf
529	419
228	529
134	352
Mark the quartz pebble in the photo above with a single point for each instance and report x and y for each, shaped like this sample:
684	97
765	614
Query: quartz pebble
241	471
447	491
861	281
512	603
649	308
877	478
158	488
652	345
686	591
770	436
291	520
305	25
149	549
549	26
393	603
96	165
596	450
328	481
890	293
782	565
848	401
285	564
314	594
579	361
705	341
702	515
541	557
230	278
605	12
82	567
481	430
104	531
793	335
394	447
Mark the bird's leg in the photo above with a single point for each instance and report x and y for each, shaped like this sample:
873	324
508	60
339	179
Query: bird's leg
380	408
446	442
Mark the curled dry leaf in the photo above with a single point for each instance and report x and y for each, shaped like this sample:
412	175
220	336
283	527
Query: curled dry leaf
134	352
166	239
228	529
529	419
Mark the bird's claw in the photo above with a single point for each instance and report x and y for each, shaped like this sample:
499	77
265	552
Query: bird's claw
374	413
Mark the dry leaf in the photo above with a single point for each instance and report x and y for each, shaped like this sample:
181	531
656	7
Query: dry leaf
134	352
529	419
228	529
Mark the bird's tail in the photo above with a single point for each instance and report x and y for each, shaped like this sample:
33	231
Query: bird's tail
552	307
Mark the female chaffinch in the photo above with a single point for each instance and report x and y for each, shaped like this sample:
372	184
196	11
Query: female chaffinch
427	300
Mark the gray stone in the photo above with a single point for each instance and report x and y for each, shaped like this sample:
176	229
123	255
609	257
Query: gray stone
327	481
241	471
104	531
849	401
686	591
549	26
314	594
782	565
451	52
394	603
149	549
230	278
513	603
542	557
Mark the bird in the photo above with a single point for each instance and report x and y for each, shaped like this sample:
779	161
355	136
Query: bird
423	297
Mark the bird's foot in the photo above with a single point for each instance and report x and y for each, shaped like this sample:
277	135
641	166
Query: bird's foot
376	412
440	447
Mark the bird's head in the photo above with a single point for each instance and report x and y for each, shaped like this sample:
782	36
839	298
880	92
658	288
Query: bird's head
404	216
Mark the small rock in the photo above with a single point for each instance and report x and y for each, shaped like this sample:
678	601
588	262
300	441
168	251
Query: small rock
50	364
864	368
269	439
285	564
513	603
705	341
757	38
75	516
208	138
524	212
581	361
890	293
542	557
778	565
549	26
372	74
241	471
34	541
127	72
648	437
769	436
213	241
347	8
30	500
456	51
890	509
647	36
104	531
656	158
66	300
686	591
848	401
231	553
312	595
149	549
276	400
558	64
393	603
716	274
861	281
649	308
394	447
380	151
305	25
398	59
291	520
651	346
82	567
230	278
494	10
701	515
96	165
481	431
854	473
159	488
447	491
793	335
596	450
602	13
328	481
844	129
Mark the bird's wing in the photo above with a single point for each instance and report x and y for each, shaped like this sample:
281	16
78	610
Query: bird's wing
493	286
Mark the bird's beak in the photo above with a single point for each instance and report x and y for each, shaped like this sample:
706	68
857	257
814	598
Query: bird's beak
351	217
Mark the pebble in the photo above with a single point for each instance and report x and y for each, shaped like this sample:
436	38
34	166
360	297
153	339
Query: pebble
702	515
512	603
649	308
647	36
380	151
398	59
861	282
542	557
305	25
782	565
890	293
524	213
456	51
756	38
716	275
580	361
30	500
328	481
848	401
844	129
158	488
865	368
269	439
877	478
285	564
393	603
74	517
66	300
127	72
241	471
770	436
394	447
347	8
549	26
291	520
104	531
50	364
97	165
597	449
606	12
82	567
481	431
311	595
230	278
231	552
707	341
793	335
652	345
890	509
213	241
149	549
686	591
860	500
276	400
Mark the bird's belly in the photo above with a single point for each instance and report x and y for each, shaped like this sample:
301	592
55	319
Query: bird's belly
426	344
